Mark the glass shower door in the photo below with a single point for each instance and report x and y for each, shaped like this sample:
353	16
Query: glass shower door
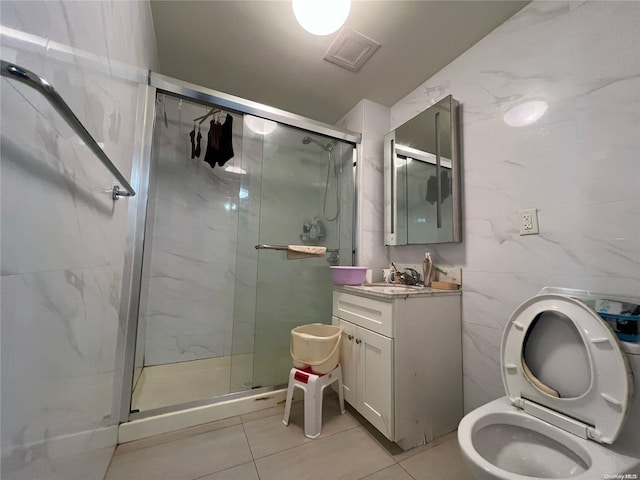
215	313
306	198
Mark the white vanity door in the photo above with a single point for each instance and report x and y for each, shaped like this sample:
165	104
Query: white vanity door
348	360
375	381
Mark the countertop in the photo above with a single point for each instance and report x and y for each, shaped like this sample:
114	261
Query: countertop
390	291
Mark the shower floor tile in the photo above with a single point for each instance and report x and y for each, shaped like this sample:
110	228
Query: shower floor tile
176	383
258	446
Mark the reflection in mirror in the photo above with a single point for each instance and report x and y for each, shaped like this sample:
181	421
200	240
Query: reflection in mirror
422	178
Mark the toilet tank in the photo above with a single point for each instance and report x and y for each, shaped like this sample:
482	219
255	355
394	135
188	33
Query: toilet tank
629	440
633	354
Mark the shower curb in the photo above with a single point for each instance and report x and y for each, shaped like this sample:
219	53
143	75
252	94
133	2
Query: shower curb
174	421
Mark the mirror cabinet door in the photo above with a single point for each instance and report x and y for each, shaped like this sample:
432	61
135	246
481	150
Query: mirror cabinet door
422	178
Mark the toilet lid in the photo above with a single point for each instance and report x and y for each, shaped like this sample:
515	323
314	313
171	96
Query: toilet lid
570	349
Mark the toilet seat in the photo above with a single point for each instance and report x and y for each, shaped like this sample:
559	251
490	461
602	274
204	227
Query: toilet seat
598	413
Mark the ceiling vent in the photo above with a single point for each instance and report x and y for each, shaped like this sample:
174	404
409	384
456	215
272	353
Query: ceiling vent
351	50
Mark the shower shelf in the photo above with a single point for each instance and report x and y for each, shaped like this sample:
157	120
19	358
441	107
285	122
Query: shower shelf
22	75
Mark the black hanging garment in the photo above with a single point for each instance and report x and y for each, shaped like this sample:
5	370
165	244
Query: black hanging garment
432	190
213	137
198	138
220	143
226	141
445	184
432	187
192	135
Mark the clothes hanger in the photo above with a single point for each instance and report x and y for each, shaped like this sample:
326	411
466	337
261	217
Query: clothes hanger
201	119
160	102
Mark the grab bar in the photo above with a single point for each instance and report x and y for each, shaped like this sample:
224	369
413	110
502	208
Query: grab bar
285	247
38	83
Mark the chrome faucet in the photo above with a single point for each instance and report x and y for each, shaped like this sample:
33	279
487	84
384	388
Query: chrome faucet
410	277
334	258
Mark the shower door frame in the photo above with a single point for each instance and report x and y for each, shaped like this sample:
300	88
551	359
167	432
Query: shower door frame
137	218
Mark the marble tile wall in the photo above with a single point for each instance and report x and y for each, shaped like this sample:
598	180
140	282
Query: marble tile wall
372	120
63	237
189	292
578	165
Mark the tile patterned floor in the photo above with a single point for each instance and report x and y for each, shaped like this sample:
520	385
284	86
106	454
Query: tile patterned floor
258	446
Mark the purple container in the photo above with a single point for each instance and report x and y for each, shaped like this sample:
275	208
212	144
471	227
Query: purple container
348	275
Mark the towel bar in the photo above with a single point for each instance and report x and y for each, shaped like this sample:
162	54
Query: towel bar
22	75
285	247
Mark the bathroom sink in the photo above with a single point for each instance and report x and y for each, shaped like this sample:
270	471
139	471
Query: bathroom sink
397	286
389	290
393	288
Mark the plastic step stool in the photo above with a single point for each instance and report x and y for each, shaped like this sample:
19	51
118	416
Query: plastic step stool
313	386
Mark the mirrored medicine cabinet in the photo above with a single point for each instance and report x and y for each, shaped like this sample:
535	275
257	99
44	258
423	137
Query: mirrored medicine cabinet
422	194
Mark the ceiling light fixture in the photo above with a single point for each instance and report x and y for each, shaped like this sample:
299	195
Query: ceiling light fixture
525	113
321	17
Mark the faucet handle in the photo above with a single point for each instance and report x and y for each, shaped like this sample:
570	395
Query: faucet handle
411	276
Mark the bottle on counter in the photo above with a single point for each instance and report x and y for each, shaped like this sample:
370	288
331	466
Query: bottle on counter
427	273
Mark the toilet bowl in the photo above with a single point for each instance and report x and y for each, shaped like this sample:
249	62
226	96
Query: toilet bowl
500	441
569	388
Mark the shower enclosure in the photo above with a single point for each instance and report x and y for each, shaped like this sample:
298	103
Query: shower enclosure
213	296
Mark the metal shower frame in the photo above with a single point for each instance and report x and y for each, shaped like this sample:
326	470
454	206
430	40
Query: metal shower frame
137	213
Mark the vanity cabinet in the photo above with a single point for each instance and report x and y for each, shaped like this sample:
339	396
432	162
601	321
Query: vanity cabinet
366	358
401	360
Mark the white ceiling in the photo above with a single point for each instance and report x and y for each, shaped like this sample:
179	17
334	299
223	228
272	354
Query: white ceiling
257	50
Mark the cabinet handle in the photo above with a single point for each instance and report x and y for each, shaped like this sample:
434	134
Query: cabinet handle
350	337
358	341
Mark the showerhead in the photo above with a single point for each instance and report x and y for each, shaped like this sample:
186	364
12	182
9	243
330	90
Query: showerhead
326	148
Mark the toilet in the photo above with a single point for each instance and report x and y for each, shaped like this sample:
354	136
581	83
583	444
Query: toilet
569	410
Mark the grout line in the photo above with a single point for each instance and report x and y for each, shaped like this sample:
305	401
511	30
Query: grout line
181	434
385	468
372	433
374	473
246	437
260	418
113	454
402	467
257	471
309	442
220	471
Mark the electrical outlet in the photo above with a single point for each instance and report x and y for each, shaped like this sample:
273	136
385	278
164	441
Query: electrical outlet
529	221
